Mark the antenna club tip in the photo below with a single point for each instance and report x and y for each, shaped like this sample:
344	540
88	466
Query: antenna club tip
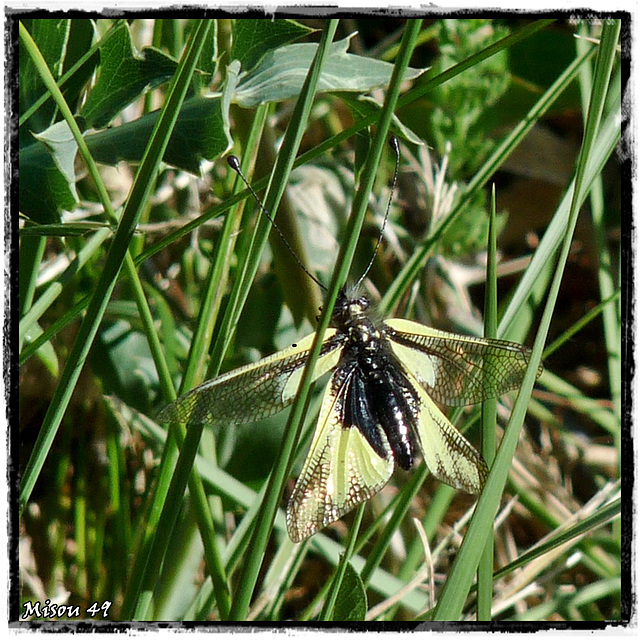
233	162
393	143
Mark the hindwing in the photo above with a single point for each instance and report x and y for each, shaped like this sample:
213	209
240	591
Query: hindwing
446	452
341	469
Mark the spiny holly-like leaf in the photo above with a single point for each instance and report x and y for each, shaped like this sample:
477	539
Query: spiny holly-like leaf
199	134
123	76
47	174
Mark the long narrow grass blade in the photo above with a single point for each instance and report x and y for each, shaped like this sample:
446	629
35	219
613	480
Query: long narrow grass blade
255	552
489	411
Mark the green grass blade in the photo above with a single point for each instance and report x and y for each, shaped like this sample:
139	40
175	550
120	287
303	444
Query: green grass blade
489	412
328	608
606	272
255	552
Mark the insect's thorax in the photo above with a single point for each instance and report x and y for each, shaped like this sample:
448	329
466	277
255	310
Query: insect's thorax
381	397
364	339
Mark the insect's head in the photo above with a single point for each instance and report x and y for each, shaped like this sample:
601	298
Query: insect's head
349	306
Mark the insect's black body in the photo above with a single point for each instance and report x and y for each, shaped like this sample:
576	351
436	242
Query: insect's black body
378	396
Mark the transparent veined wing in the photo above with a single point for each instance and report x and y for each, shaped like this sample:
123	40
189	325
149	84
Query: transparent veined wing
341	469
455	369
446	452
255	391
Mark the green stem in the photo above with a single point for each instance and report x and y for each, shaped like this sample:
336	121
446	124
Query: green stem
489	406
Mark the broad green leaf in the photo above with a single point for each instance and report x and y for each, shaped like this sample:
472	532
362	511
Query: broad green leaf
280	74
47	177
198	134
123	76
351	603
253	39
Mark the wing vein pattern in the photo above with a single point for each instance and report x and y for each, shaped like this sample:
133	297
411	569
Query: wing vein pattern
458	370
252	392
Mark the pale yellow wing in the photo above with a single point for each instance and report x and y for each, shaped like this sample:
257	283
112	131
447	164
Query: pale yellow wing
455	369
446	452
341	469
254	391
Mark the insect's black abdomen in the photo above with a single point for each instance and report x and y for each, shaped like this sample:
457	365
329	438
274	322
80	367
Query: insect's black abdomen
359	414
388	397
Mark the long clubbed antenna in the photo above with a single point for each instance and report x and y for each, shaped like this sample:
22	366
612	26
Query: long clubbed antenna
393	142
234	163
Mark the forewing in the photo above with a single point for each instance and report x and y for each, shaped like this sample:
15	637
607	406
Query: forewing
254	391
341	469
454	369
446	452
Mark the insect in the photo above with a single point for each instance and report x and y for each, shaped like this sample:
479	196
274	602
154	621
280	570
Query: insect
379	409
